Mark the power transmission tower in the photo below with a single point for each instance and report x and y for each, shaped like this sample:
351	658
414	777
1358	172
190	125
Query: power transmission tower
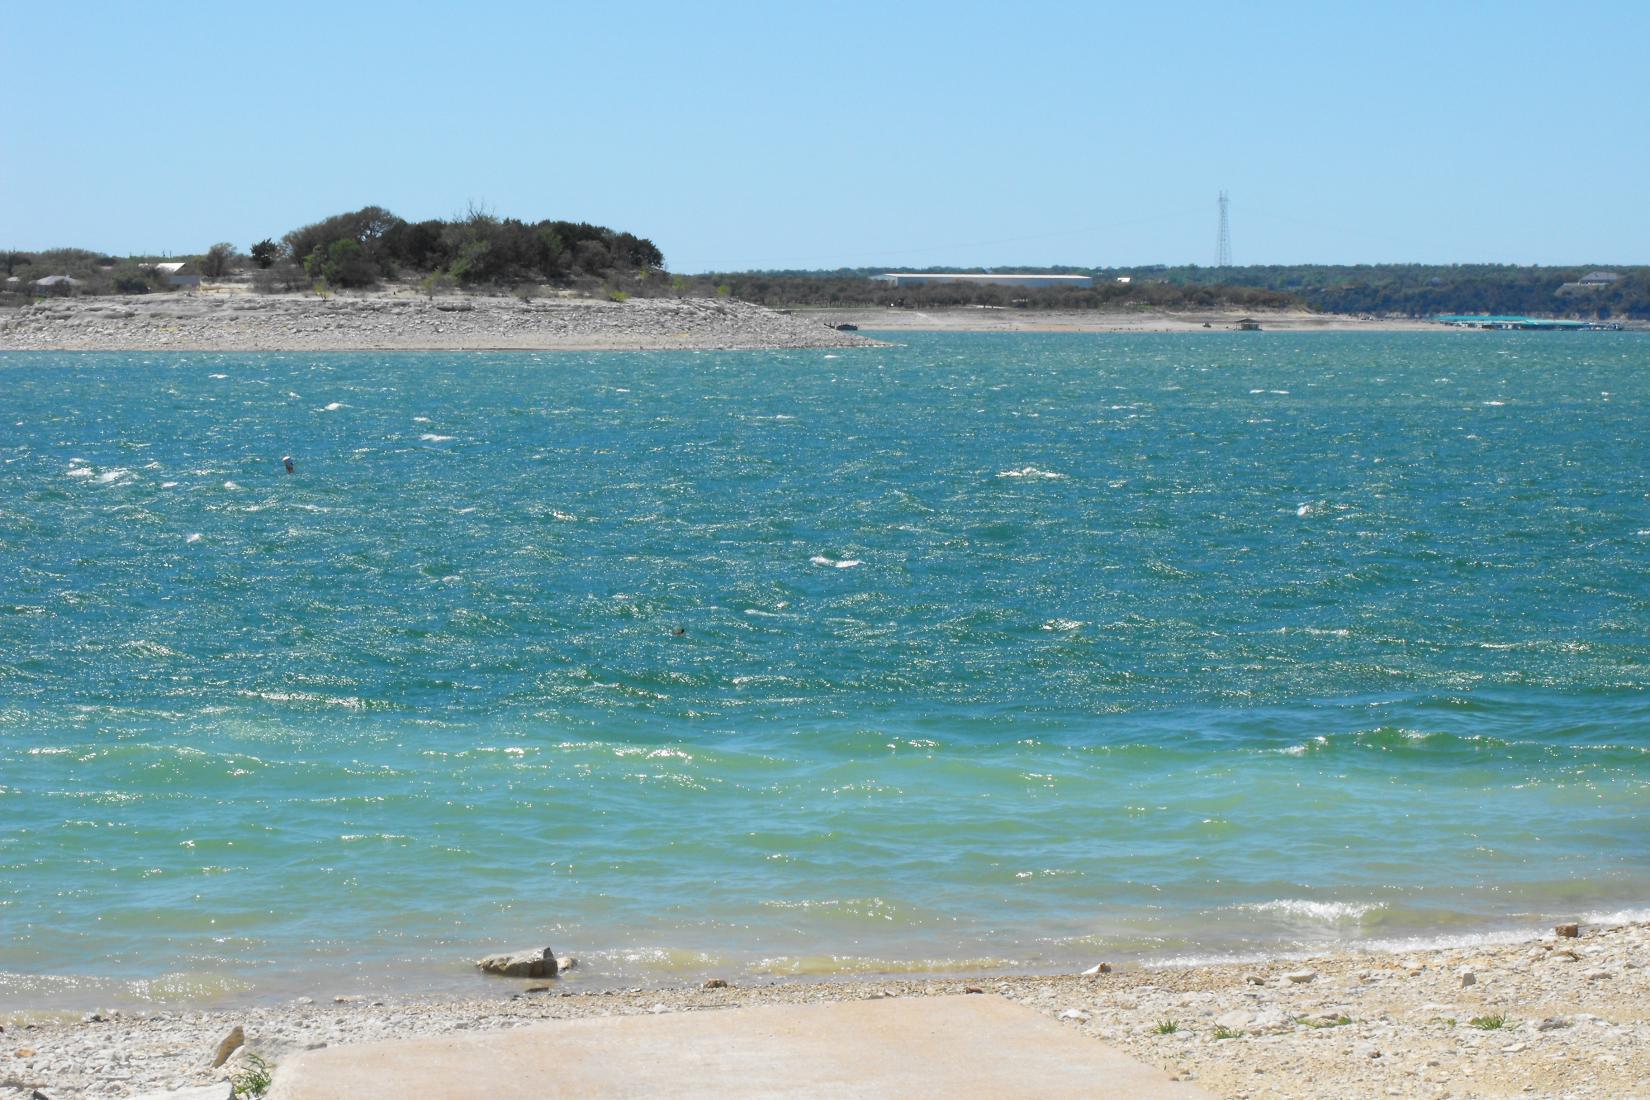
1223	242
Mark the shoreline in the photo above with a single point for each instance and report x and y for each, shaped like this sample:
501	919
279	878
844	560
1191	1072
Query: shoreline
226	319
1555	1016
214	321
993	319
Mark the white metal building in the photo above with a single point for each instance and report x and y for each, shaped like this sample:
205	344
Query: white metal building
919	278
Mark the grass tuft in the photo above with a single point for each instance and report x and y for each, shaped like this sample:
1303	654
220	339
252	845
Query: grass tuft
252	1079
1166	1027
1490	1023
1223	1032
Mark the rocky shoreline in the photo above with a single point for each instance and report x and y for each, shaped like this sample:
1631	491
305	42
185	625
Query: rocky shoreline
402	321
1548	1016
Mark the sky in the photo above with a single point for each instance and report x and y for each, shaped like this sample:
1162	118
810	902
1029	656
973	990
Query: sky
793	135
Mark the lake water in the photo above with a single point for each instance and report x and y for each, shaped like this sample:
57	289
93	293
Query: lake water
979	652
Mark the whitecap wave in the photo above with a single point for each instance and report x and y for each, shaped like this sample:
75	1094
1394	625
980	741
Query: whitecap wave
1031	472
1328	912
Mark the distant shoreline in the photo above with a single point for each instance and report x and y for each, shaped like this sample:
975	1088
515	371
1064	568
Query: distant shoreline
992	319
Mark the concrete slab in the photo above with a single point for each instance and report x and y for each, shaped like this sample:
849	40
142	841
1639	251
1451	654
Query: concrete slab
918	1047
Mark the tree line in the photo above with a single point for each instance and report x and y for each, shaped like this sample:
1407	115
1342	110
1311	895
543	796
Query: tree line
364	247
1408	290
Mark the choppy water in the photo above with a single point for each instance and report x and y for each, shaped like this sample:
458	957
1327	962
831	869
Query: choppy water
998	651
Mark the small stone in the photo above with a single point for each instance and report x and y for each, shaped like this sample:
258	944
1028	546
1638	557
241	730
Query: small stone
228	1045
1096	969
1597	975
538	963
1301	977
715	983
972	989
1468	978
1254	979
1233	1020
1567	931
659	1008
1551	1023
305	1000
1515	1048
1075	1014
566	962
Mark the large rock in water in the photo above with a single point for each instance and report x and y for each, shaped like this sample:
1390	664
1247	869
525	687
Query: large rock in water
538	963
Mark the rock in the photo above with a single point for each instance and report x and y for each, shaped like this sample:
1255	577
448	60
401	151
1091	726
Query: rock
1567	931
1096	969
1468	978
1254	979
539	963
1301	977
972	989
1597	975
223	1090
1552	1023
1269	1019
228	1045
715	983
566	962
1515	1048
1075	1014
1233	1020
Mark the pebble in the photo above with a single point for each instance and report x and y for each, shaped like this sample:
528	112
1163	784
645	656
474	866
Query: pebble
1301	977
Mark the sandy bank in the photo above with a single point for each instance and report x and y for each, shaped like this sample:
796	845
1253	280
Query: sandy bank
977	319
405	322
1555	1017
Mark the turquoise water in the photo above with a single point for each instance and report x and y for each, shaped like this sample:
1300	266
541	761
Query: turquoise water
998	651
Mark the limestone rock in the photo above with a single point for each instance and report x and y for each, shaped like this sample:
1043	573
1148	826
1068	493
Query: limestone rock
222	1090
228	1045
1096	969
1075	1014
566	962
1567	931
1468	978
1233	1020
715	983
1301	977
538	963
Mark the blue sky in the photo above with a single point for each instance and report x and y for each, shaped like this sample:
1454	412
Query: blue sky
740	135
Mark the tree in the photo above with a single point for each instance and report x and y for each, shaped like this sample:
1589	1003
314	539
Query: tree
215	264
347	264
265	253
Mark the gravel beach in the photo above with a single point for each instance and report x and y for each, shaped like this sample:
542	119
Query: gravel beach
1546	1016
402	321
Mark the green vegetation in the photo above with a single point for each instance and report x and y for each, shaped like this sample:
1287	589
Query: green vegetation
1407	290
1494	1022
366	245
252	1079
1325	1021
371	245
1223	1032
1166	1027
856	288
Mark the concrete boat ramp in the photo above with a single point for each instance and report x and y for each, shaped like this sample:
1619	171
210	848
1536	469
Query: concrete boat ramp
951	1047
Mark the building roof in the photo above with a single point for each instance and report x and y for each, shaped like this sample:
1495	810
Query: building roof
170	268
1600	277
57	280
976	275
